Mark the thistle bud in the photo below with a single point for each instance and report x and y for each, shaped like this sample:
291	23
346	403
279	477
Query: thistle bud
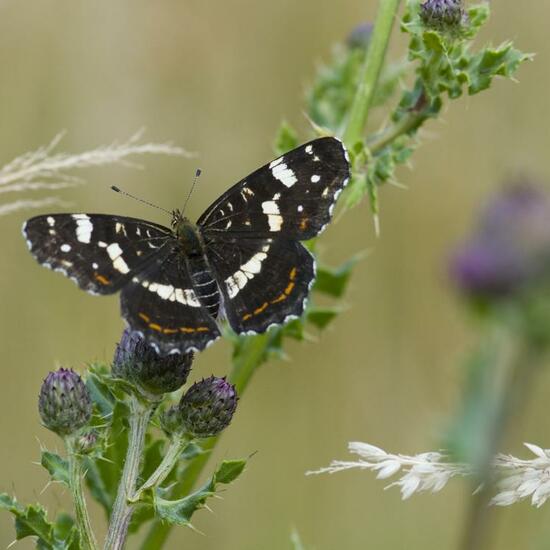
510	249
208	406
64	403
138	363
443	15
87	442
360	36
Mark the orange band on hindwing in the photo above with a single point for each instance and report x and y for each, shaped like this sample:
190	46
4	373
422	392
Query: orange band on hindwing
283	296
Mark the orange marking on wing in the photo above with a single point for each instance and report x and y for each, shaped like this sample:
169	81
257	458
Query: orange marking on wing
289	288
146	318
187	330
286	293
170	330
279	299
303	223
101	279
261	308
202	329
156	327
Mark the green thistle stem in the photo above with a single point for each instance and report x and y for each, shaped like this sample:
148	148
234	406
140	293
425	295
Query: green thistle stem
511	402
140	415
252	354
170	459
374	61
76	474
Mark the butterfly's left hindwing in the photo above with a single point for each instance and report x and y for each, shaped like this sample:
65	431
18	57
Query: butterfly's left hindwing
263	281
99	252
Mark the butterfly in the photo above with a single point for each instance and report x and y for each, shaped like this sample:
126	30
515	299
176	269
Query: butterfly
242	260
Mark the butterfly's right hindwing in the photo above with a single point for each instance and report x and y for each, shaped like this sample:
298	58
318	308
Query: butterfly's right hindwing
98	251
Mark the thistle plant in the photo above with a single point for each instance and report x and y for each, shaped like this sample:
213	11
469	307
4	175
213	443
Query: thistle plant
144	477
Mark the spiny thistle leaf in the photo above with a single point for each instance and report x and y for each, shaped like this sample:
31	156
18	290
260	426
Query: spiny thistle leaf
31	521
180	511
57	467
334	281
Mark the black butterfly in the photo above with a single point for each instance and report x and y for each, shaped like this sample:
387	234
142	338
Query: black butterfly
243	258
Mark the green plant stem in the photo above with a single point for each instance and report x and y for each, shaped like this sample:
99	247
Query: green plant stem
407	124
374	61
140	415
511	402
87	539
255	348
170	459
251	356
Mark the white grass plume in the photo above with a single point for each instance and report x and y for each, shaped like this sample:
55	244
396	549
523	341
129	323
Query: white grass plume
518	479
48	170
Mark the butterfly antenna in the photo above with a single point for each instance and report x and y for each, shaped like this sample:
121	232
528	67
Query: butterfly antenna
119	190
195	179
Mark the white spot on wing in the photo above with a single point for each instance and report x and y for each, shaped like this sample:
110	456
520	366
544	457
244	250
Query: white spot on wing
315	178
275	221
120	265
254	265
276	162
270	207
238	280
51	221
300	208
101	244
165	291
284	174
65	248
84	228
114	251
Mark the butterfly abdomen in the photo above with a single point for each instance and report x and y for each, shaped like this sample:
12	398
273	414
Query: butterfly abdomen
204	285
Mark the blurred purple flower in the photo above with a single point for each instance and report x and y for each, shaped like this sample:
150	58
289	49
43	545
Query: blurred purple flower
510	249
360	36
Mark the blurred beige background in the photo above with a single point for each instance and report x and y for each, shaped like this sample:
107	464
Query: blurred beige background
217	78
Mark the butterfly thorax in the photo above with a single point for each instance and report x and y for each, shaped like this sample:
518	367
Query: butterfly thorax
187	235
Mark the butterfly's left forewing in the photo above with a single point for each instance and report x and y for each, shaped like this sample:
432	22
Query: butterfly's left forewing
98	251
291	197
